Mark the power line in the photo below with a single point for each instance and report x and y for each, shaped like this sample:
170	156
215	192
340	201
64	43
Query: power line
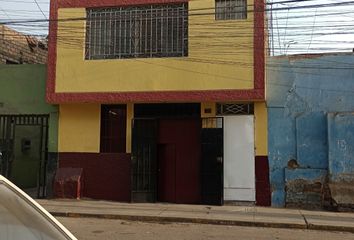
40	9
69	33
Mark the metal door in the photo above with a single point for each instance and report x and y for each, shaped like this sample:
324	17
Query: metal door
212	161
239	163
144	160
11	147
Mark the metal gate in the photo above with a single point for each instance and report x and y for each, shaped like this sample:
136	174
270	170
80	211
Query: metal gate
212	147
9	146
144	160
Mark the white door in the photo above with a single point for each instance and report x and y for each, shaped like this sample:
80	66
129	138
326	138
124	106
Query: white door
239	162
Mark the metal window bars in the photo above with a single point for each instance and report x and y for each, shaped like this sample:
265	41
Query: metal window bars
137	32
230	9
234	109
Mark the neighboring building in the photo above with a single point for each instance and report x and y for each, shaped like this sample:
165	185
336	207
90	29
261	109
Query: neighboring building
310	102
17	48
162	100
28	128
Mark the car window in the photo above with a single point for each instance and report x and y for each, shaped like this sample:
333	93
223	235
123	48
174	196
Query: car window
20	218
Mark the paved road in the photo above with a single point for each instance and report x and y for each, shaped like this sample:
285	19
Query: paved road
90	229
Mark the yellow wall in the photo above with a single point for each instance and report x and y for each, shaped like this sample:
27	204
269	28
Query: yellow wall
211	45
79	128
261	128
207	105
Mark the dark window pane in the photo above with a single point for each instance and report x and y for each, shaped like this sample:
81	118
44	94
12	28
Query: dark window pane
113	128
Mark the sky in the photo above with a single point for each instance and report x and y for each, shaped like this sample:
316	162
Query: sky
310	30
315	29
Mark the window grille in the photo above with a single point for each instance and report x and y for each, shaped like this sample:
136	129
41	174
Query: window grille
230	9
137	32
234	109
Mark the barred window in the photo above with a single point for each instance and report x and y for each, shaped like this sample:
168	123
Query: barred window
137	32
230	9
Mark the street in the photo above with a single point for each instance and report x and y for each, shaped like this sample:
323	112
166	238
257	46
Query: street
90	229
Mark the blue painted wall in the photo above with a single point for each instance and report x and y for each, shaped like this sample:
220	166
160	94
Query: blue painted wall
302	91
341	156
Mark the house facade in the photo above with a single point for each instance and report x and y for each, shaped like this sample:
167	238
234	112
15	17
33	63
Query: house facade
162	100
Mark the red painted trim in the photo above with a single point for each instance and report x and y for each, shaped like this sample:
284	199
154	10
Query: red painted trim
259	38
52	51
258	93
193	96
110	3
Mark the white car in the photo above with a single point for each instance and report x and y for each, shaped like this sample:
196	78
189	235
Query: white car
21	218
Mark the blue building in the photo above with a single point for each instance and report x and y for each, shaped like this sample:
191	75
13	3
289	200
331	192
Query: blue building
310	102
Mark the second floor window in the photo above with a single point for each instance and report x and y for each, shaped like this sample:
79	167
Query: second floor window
230	9
137	32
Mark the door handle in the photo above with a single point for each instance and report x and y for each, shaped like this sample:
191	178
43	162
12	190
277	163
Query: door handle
219	159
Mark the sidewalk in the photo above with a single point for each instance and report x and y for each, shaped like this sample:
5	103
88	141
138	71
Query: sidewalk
221	215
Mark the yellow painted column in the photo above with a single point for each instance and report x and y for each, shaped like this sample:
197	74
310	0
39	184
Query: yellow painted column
261	128
208	110
130	116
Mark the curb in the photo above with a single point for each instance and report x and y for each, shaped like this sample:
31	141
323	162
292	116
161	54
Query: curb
330	228
158	219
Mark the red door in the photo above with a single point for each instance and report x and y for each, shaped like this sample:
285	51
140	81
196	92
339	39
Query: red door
167	172
179	161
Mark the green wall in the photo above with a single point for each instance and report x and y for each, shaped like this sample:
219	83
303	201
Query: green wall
22	91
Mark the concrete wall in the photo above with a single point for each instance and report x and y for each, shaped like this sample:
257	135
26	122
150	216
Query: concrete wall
303	155
341	157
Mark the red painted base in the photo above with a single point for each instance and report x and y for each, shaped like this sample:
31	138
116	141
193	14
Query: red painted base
263	197
106	175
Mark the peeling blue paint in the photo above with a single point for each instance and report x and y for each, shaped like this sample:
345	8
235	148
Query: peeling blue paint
311	175
300	94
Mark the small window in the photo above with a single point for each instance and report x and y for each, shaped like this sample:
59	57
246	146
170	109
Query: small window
113	128
230	9
235	108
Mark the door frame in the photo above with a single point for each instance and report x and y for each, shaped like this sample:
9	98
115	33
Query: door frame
212	133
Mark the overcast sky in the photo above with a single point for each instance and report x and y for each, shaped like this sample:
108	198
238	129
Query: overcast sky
294	31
